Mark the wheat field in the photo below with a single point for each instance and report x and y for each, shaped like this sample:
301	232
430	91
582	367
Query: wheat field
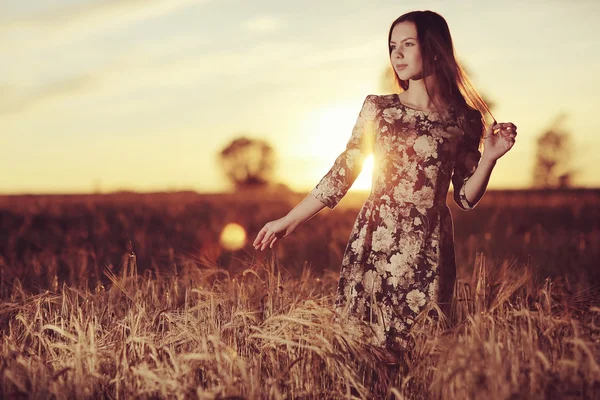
200	322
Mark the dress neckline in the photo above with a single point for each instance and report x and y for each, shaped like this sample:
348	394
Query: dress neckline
416	109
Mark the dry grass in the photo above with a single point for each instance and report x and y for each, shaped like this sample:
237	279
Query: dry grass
203	333
79	319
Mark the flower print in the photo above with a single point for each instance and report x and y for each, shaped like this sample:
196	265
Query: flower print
390	222
423	197
372	282
353	154
433	289
400	271
369	110
402	191
350	292
355	274
382	239
415	299
433	117
431	172
425	147
426	125
411	172
384	210
368	281
325	190
391	114
406	225
437	132
393	281
358	244
404	212
381	266
406	273
386	146
394	264
411	138
387	216
346	259
411	246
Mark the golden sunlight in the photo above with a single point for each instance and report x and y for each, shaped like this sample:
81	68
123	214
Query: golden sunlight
233	237
363	182
328	131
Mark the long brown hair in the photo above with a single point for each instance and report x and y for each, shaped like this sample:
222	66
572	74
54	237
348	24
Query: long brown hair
452	83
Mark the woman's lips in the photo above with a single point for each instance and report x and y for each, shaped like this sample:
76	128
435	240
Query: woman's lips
401	66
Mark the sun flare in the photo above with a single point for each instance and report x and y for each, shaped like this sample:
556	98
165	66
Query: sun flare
363	182
233	237
329	130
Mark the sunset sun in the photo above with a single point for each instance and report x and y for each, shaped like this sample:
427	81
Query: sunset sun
329	130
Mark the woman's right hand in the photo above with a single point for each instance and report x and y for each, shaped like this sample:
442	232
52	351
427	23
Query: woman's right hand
272	231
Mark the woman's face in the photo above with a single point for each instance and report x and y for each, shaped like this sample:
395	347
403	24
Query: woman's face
405	51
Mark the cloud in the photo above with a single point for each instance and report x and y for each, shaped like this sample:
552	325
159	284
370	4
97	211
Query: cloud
142	68
14	101
82	20
263	23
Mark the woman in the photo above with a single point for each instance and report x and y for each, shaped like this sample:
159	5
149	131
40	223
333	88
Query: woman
400	254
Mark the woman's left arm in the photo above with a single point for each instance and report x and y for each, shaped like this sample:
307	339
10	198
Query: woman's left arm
475	186
473	169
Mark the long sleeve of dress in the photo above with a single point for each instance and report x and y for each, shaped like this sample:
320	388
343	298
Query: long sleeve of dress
467	159
348	165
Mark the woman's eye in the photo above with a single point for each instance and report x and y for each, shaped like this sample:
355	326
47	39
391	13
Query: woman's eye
409	44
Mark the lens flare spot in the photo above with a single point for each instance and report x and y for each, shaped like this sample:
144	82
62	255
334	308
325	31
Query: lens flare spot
233	237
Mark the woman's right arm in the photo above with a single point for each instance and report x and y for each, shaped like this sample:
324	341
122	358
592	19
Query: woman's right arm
334	185
283	227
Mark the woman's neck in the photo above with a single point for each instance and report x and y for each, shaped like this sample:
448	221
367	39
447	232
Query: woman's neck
416	95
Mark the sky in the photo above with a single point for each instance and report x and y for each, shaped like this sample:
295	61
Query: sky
141	95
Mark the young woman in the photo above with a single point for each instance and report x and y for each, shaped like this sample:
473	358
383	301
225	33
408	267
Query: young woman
400	254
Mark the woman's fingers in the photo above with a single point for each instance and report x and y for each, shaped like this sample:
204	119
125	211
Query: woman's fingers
509	127
259	237
271	232
507	130
262	236
268	238
490	130
265	243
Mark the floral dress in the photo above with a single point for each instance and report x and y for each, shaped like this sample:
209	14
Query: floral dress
400	254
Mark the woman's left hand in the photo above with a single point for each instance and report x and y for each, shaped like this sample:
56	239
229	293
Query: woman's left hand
498	144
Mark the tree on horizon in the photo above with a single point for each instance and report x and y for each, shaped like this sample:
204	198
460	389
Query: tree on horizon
248	162
553	157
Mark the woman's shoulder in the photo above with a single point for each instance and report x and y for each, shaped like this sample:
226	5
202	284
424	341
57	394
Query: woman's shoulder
381	100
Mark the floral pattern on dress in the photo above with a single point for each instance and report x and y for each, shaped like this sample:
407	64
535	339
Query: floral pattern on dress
400	253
